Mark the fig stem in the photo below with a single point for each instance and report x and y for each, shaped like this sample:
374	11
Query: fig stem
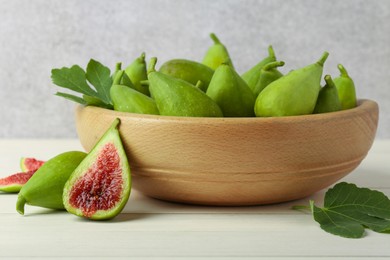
152	65
118	66
271	52
118	77
215	38
303	208
142	57
273	65
323	58
115	123
199	84
343	71
20	204
329	81
144	82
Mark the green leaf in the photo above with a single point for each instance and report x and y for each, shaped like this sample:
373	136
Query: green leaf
93	101
72	98
100	77
72	78
348	210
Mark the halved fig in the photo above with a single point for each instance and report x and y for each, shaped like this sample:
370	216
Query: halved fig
99	188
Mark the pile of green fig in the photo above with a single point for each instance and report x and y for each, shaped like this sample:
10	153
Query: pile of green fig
211	88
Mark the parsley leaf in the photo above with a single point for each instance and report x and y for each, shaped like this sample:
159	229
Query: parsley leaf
99	76
77	79
72	78
349	209
72	98
93	101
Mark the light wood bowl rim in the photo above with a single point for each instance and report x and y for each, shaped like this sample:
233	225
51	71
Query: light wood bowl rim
362	106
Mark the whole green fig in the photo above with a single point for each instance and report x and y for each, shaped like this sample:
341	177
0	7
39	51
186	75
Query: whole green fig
269	73
231	93
136	72
126	99
216	54
189	71
176	97
252	76
328	99
345	89
45	187
293	94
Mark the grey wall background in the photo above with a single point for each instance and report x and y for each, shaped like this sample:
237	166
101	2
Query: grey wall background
38	35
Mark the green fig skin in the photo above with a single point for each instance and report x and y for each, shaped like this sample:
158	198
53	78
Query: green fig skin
346	89
328	99
118	77
268	74
136	72
189	71
252	76
129	100
121	78
176	97
126	81
293	94
231	93
44	188
93	194
216	54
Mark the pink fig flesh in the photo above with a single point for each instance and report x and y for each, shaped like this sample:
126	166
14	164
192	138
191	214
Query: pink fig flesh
100	188
15	182
30	164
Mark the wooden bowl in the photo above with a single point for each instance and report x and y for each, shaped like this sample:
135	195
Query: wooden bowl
236	161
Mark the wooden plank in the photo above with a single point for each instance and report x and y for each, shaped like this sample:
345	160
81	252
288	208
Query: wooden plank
175	235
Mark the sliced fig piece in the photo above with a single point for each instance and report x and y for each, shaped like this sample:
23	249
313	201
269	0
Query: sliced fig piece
99	188
15	182
30	164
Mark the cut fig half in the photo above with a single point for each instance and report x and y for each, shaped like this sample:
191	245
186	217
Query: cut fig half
30	164
99	188
13	183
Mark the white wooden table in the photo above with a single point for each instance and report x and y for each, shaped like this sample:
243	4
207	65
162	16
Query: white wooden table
152	229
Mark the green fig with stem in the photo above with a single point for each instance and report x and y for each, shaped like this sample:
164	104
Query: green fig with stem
216	54
129	100
176	97
328	99
295	93
136	72
190	71
45	187
231	93
269	73
252	76
345	89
